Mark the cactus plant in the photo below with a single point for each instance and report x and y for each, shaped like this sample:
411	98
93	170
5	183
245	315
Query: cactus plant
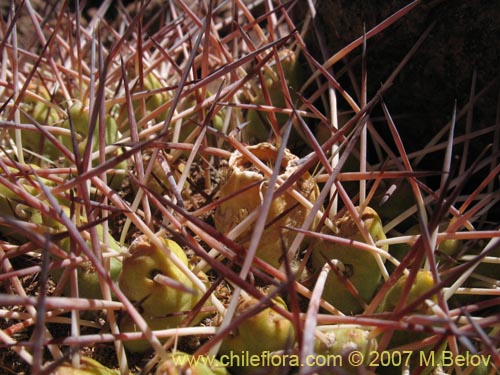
284	211
78	117
258	129
338	342
89	285
266	331
44	112
194	121
183	66
423	283
143	262
162	306
448	247
360	267
13	205
87	366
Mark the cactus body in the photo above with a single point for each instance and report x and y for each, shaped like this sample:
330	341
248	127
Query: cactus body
258	129
360	266
284	208
340	343
266	331
88	366
136	279
162	306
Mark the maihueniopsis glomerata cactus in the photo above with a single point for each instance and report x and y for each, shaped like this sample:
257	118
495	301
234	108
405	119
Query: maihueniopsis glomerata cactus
51	145
162	292
242	192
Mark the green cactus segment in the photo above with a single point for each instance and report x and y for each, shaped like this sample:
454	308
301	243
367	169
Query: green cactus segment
44	112
337	343
360	266
143	263
258	129
422	284
162	306
192	123
88	366
80	115
448	247
284	210
180	363
156	100
266	331
152	102
89	285
88	278
12	205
